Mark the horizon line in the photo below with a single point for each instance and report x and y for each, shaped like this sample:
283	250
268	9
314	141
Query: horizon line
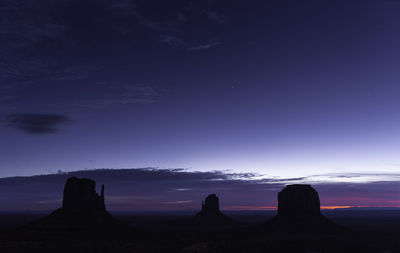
236	208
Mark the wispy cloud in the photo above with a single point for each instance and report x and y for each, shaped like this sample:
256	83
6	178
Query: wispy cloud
131	9
216	16
23	27
209	44
40	49
172	41
6	98
113	93
353	177
177	42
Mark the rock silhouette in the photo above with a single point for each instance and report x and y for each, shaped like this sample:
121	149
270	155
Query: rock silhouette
298	201
210	204
299	212
210	215
80	196
83	212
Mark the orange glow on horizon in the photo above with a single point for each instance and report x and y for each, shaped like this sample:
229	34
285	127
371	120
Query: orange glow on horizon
274	208
335	207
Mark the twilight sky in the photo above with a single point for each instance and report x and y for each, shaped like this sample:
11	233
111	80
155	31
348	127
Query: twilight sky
282	88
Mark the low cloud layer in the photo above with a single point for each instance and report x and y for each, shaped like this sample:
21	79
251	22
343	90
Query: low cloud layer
35	123
176	189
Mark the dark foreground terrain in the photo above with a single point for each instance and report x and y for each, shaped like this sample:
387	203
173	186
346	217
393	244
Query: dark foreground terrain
367	231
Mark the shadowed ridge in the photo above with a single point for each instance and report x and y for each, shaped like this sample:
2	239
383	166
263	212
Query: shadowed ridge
299	212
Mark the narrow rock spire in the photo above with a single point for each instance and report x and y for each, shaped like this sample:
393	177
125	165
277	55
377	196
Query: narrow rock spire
102	204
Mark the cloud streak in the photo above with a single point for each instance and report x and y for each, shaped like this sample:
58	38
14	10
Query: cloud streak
209	44
115	93
177	42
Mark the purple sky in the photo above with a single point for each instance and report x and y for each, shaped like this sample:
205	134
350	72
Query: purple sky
283	88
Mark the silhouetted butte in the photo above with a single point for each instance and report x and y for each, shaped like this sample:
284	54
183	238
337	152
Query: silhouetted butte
82	210
299	211
80	196
210	215
298	201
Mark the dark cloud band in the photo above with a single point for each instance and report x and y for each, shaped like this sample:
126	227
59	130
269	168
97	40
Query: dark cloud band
175	189
35	123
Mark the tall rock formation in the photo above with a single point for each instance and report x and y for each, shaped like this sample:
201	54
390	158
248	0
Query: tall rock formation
298	200
210	204
83	213
299	212
80	196
210	215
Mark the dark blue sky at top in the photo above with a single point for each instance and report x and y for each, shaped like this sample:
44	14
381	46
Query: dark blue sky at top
280	88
